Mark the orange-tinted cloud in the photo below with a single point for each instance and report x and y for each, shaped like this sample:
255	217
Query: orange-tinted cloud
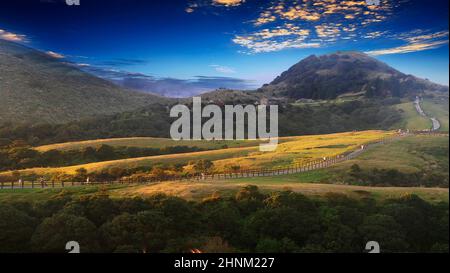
229	3
9	36
416	41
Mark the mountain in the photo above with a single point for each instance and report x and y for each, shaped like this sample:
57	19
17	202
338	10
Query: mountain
329	76
38	88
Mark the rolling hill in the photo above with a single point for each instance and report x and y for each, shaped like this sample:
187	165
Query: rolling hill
294	150
36	87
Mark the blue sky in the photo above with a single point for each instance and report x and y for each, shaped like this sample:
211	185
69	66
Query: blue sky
229	43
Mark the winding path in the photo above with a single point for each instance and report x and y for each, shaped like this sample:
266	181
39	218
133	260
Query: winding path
436	124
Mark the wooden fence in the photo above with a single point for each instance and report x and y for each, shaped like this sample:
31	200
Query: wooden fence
249	173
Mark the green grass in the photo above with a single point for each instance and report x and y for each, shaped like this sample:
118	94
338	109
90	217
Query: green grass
411	119
200	190
438	108
308	177
37	195
410	154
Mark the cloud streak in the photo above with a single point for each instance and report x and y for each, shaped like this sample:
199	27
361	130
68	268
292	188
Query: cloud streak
196	4
55	55
416	41
13	37
170	87
223	69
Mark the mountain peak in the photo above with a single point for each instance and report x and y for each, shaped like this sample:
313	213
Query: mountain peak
331	75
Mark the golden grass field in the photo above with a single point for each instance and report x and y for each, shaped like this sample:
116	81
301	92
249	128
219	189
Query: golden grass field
406	154
200	190
290	151
147	142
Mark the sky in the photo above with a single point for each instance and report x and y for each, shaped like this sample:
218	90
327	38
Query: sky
180	47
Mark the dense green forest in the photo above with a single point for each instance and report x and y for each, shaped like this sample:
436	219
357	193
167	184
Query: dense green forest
250	221
155	121
394	178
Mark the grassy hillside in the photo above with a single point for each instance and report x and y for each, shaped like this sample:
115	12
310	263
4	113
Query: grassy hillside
438	108
150	142
201	190
304	150
411	119
407	155
38	88
198	191
296	151
411	154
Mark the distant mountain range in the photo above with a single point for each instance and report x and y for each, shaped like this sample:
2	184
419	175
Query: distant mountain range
36	87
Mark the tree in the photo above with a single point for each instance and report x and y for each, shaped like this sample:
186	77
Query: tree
384	230
223	218
123	230
105	152
143	232
268	245
81	174
203	166
89	154
249	199
16	229
54	232
281	223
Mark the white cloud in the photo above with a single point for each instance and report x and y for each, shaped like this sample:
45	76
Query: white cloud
55	55
223	69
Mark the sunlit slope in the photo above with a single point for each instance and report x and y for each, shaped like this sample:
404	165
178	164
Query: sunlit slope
150	142
304	150
298	150
201	190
